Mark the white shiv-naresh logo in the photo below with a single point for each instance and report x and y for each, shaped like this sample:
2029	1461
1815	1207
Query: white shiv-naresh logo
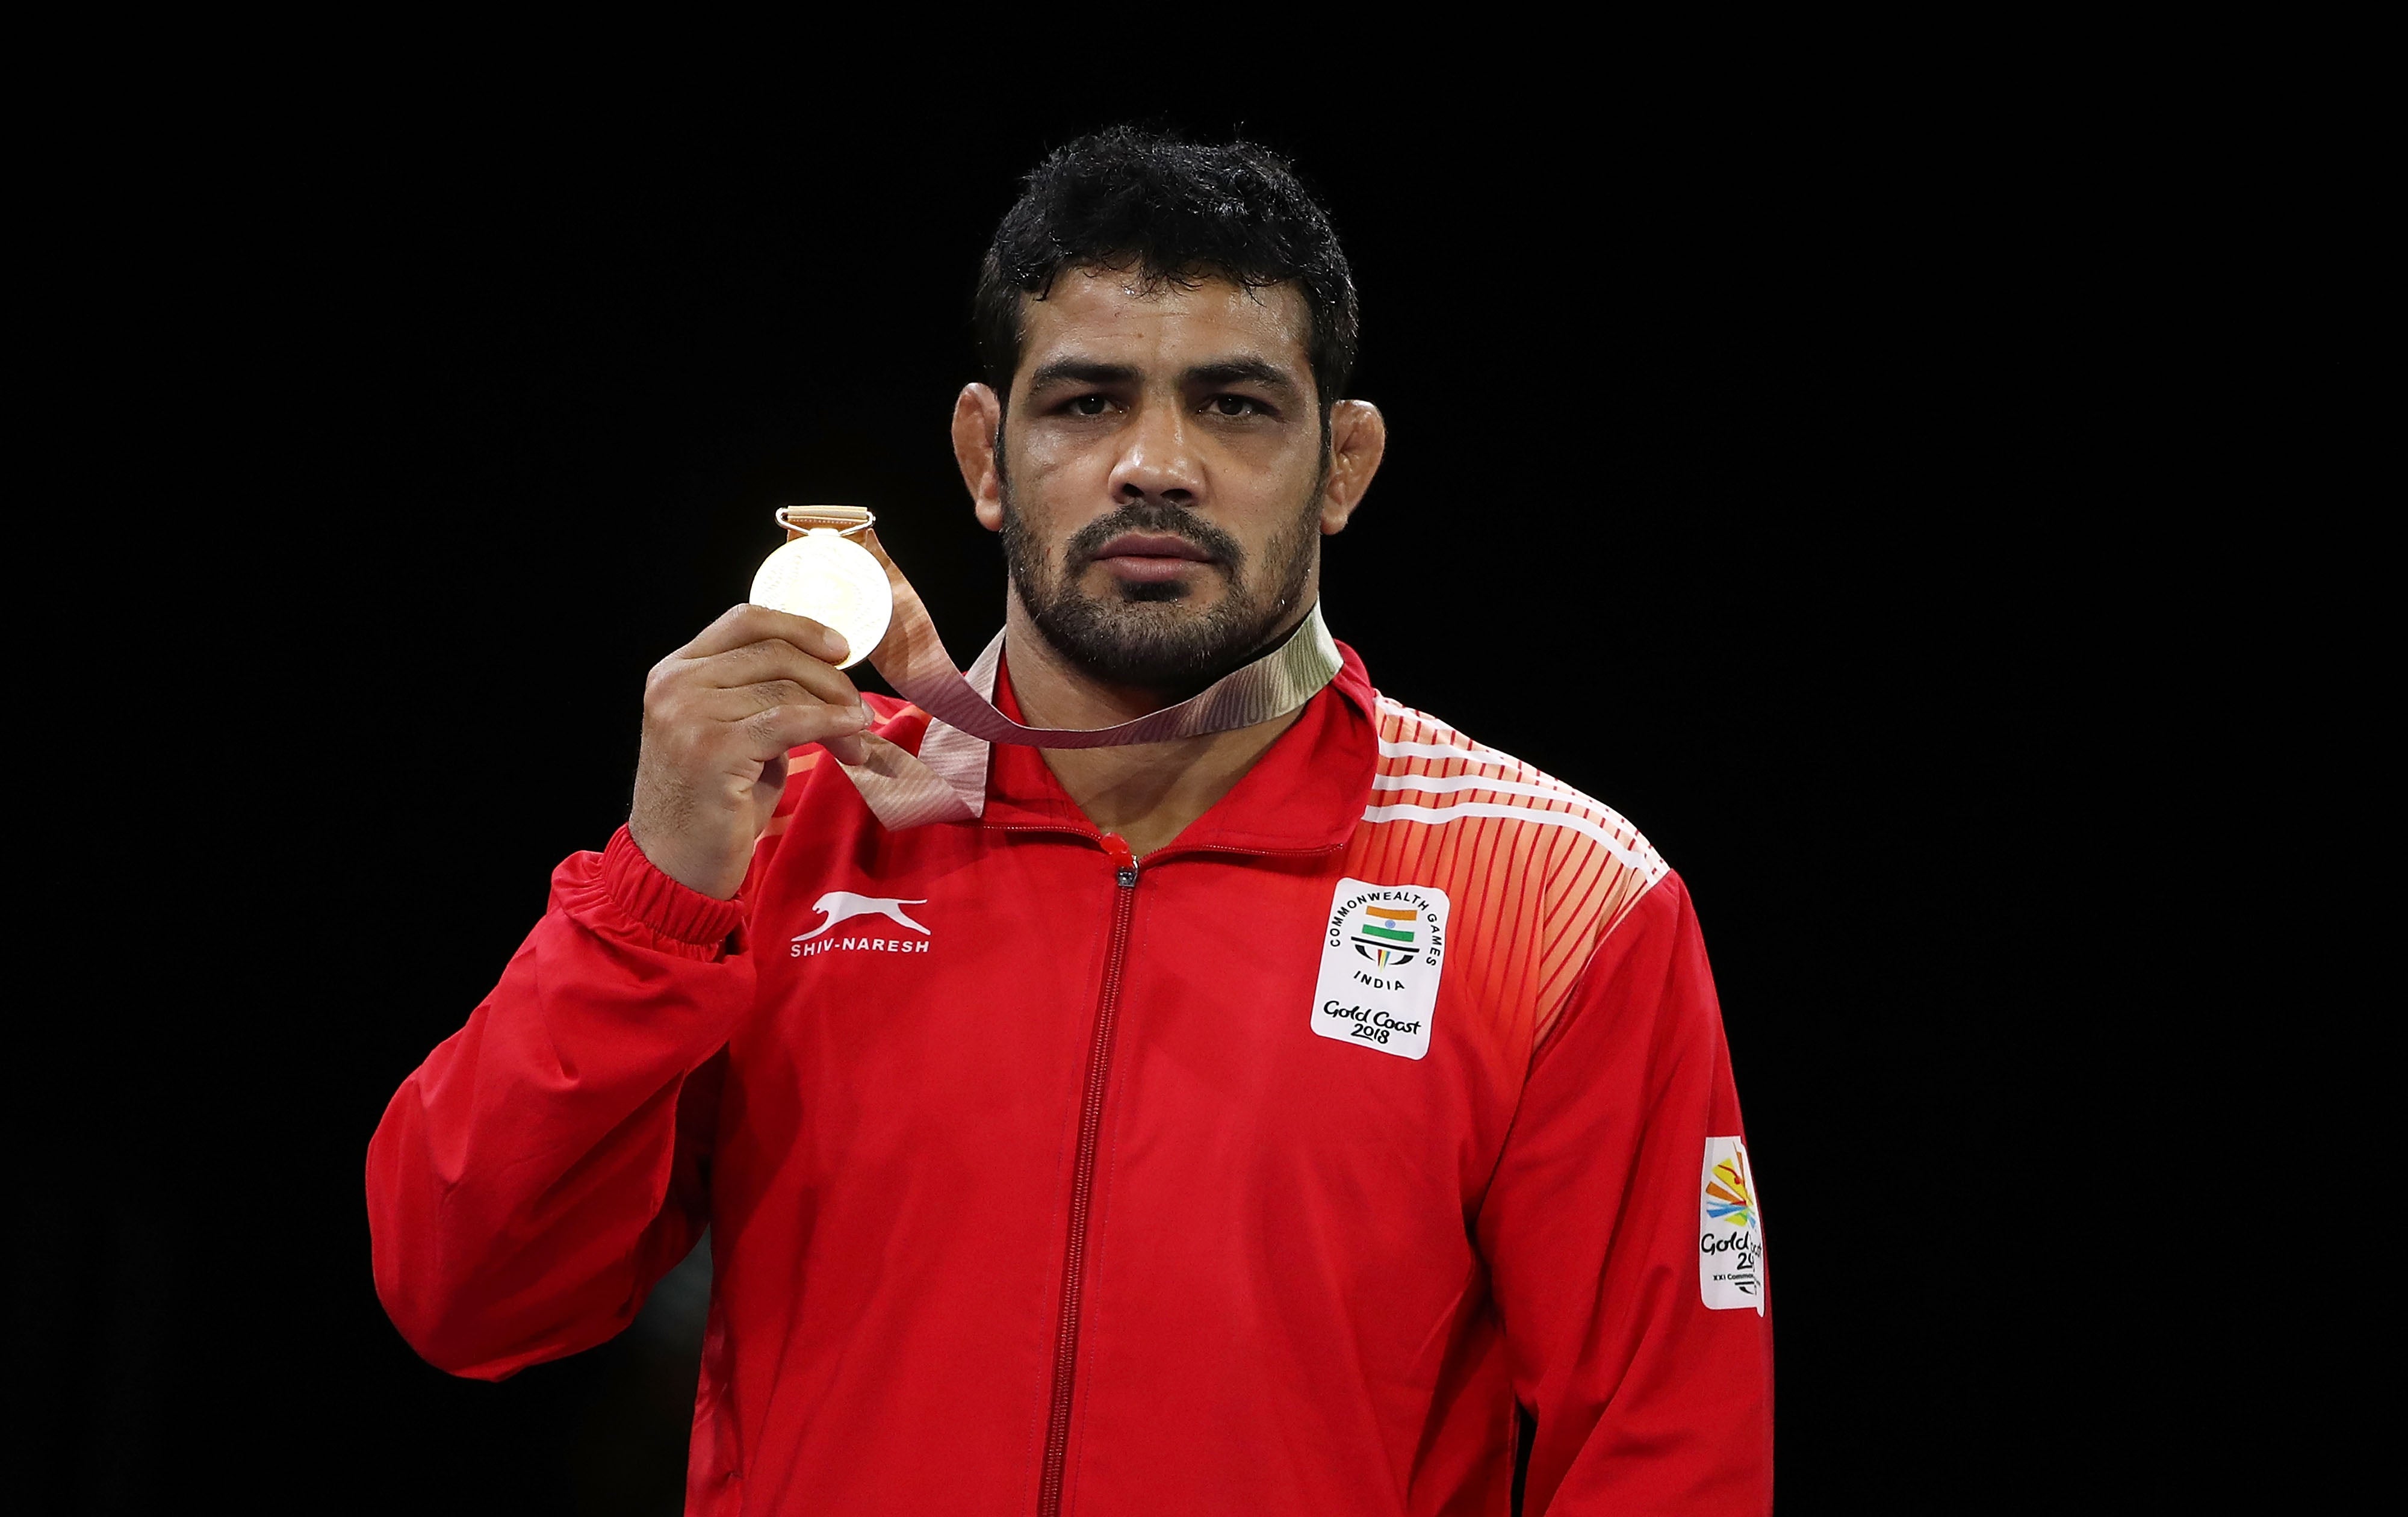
843	905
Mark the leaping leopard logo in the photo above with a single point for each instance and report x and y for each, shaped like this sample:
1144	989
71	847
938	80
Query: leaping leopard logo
843	905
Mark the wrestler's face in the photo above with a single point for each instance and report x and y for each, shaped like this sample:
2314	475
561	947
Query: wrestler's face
1160	483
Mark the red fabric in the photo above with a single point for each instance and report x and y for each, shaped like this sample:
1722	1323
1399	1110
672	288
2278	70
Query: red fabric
1315	1278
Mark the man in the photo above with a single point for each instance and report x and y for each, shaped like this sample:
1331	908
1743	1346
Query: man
1238	1123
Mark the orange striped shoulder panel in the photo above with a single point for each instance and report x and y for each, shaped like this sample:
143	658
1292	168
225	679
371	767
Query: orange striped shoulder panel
1536	872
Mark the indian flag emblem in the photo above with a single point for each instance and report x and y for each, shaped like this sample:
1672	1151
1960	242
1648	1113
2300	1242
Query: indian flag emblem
1385	935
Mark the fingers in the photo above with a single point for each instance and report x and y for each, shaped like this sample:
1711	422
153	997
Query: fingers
771	731
740	625
752	700
719	716
750	725
772	661
847	749
732	711
746	702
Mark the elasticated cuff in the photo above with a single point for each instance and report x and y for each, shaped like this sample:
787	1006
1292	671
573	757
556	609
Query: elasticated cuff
661	903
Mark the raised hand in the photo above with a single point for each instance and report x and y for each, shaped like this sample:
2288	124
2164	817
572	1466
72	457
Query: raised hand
719	715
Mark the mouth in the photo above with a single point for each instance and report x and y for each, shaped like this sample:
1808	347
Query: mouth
1150	558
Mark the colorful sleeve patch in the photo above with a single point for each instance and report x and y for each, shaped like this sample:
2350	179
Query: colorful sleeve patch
1731	1229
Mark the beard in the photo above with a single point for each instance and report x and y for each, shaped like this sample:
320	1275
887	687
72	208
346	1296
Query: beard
1148	637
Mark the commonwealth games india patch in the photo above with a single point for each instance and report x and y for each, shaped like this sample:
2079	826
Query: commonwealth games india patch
1382	952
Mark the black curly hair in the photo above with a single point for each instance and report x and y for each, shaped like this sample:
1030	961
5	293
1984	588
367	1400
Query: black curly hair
1171	211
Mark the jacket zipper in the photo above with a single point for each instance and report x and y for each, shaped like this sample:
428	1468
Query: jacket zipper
1091	1115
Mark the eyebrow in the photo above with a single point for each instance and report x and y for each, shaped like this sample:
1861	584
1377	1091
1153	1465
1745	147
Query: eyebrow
1080	371
1242	371
1225	371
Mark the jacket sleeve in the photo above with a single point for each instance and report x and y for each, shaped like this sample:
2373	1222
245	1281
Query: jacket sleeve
546	1165
1604	1256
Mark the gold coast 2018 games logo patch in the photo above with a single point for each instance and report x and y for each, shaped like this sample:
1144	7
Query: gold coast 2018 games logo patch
1731	1229
1382	952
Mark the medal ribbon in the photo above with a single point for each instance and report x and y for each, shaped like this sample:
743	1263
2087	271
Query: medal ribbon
946	780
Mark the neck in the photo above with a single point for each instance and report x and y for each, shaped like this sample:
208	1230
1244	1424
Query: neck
1147	793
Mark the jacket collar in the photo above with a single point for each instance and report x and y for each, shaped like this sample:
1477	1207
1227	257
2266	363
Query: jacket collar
1305	794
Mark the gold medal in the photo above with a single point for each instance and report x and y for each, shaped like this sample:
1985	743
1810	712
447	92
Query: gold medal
822	573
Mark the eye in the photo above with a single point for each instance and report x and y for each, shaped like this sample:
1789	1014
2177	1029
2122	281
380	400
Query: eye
1236	406
1089	406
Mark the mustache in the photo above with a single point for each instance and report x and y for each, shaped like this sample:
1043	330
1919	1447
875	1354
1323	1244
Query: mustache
1152	517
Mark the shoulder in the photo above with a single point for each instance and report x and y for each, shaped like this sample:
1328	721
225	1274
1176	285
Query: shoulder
1536	872
1431	774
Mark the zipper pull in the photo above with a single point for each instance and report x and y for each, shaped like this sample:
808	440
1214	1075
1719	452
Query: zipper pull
1123	859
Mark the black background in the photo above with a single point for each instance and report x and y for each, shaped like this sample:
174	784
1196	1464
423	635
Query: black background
1727	481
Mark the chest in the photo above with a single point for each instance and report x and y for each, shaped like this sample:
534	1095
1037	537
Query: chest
1265	1016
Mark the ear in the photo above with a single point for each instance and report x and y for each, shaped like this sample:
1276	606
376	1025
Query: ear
1358	439
977	413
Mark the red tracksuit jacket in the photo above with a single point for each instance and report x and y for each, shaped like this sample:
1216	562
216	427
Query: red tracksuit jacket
1262	1177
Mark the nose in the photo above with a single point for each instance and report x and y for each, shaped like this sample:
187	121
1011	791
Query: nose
1156	463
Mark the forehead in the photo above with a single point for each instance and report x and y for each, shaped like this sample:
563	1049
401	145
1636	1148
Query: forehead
1111	316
